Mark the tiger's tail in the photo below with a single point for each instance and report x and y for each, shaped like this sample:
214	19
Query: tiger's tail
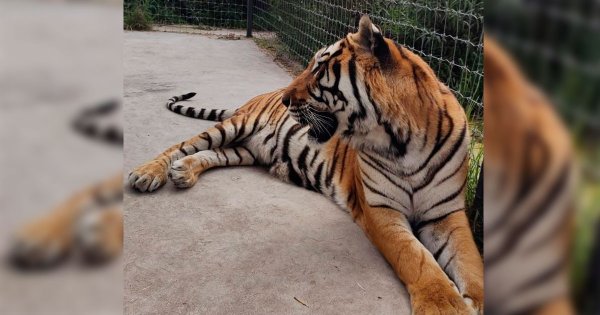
199	113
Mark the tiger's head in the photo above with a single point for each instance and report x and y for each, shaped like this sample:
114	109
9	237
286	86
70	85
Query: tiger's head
364	87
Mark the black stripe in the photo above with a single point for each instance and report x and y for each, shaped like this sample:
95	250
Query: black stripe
431	172
449	261
329	177
286	142
449	197
427	122
279	128
460	166
268	137
201	113
189	112
240	133
372	101
545	276
312	161
379	205
178	109
343	162
422	223
212	115
440	250
208	139
352	73
250	152
182	150
384	173
226	158
302	159
439	143
238	154
530	174
318	176
534	217
397	147
222	132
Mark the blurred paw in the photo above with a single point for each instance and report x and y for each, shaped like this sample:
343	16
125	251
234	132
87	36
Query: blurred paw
41	244
99	235
149	176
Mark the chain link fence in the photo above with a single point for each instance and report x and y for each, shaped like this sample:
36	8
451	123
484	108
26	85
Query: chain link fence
556	45
189	15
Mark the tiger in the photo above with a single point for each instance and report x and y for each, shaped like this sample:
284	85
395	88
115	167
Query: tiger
369	125
89	223
528	194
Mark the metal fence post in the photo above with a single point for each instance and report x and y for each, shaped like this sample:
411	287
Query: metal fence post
249	18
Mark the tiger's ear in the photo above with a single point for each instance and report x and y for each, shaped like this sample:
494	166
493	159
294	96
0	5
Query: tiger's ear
369	36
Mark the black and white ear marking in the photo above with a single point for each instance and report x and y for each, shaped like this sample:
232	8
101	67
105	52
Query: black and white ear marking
375	29
370	37
365	31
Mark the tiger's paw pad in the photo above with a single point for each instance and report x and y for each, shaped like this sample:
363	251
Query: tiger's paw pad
149	176
435	299
182	172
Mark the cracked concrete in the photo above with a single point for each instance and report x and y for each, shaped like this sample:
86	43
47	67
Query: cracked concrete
239	241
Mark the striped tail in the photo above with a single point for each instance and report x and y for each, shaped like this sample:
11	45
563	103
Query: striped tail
199	113
101	121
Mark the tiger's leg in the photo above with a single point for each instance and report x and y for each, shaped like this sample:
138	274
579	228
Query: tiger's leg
184	172
450	240
430	289
153	174
43	242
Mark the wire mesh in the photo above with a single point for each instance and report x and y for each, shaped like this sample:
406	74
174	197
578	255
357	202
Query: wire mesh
191	15
448	34
556	44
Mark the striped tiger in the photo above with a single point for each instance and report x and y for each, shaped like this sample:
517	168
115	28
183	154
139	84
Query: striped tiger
529	173
368	125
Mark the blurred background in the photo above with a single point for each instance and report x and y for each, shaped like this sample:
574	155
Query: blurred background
556	44
56	59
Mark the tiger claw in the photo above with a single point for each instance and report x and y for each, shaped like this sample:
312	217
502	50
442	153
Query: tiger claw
148	177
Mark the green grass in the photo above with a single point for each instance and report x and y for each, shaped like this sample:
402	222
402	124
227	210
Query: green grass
137	18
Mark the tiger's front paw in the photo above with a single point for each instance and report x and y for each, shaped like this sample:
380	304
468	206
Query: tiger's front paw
149	176
184	172
41	244
473	297
475	305
438	298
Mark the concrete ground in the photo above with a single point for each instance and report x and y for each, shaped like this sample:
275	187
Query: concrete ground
239	241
